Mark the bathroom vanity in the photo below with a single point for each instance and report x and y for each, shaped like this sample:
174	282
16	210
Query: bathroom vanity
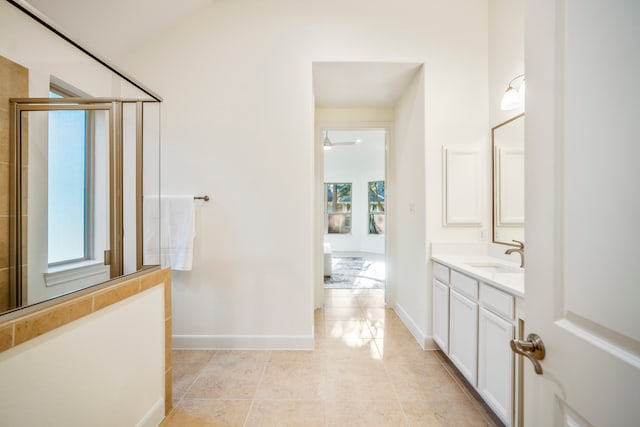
477	305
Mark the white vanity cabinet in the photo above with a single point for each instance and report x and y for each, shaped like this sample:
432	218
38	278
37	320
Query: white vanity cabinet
440	289
495	358
463	335
480	320
495	363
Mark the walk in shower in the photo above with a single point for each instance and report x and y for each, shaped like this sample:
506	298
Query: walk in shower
79	169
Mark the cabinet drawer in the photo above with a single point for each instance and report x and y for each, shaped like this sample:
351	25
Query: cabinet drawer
466	285
441	273
497	301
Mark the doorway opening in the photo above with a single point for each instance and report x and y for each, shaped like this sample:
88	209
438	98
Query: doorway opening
354	209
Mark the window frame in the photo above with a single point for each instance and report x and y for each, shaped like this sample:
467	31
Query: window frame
89	182
347	214
370	212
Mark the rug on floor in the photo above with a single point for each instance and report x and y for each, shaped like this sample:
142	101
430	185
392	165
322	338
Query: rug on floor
355	272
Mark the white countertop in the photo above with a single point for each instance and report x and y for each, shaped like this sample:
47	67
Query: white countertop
511	282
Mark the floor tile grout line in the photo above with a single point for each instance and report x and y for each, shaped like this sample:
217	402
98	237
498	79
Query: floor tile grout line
461	382
395	392
194	381
253	399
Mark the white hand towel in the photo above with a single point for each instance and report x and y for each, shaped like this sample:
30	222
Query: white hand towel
151	230
177	230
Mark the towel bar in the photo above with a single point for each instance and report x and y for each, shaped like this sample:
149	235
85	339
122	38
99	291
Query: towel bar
205	198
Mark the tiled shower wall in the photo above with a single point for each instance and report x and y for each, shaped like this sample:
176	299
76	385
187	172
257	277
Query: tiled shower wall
14	83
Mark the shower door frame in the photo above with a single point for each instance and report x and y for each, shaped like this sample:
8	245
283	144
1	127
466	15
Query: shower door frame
114	256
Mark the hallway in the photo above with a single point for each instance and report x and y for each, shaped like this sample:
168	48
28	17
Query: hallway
366	370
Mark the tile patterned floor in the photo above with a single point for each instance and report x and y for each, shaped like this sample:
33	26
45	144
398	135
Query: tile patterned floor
366	370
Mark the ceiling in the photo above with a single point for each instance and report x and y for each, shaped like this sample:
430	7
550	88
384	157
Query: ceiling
113	28
366	136
361	84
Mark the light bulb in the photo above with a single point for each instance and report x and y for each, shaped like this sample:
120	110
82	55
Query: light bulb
510	99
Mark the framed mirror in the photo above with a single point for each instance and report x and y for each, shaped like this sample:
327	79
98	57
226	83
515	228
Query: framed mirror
508	181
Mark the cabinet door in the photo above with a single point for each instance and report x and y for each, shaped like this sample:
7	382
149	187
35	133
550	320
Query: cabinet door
463	335
495	364
441	315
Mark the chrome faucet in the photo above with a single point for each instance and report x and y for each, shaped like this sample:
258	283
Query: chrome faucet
519	249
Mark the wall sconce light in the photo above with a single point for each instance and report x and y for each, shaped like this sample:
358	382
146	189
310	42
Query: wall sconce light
513	97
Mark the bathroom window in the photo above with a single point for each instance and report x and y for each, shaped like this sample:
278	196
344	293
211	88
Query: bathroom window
376	207
338	197
69	183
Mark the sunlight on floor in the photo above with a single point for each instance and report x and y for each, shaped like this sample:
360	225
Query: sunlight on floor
366	370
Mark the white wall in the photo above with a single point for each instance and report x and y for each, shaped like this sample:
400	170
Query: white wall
358	164
106	369
407	272
506	54
31	45
238	124
506	60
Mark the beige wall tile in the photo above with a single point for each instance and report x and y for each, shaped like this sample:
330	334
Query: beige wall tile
152	279
4	289
6	336
15	81
117	293
50	319
5	81
4	135
168	391
167	293
4	191
4	241
167	343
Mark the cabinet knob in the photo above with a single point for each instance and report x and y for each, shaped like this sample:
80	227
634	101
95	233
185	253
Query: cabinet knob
532	348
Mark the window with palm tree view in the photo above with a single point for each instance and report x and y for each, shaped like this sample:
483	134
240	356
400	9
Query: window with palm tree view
338	196
376	207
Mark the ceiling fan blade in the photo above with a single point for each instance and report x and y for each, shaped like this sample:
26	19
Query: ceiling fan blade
345	143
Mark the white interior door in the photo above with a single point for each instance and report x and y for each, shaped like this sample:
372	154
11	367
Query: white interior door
583	211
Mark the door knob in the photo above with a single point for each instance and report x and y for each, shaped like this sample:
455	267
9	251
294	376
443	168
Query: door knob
532	348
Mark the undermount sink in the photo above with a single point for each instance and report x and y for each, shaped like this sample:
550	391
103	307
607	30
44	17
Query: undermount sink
494	268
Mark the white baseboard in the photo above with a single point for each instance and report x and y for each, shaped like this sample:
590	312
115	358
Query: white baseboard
425	342
242	342
430	344
154	415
